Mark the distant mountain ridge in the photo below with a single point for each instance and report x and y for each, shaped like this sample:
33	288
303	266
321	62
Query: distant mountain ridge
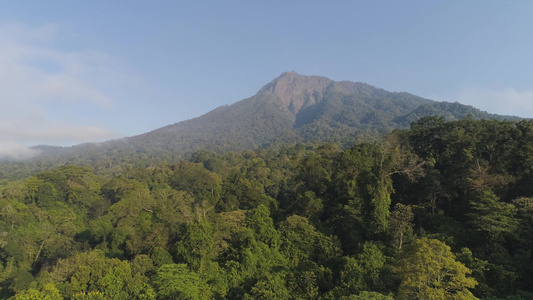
292	108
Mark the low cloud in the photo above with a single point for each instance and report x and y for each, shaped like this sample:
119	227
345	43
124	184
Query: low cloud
14	151
14	141
507	101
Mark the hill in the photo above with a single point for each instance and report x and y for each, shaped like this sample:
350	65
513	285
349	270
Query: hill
292	108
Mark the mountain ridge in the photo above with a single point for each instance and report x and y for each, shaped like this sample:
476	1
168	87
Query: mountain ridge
302	99
290	109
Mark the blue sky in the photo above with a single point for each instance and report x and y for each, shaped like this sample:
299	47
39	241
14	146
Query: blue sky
80	71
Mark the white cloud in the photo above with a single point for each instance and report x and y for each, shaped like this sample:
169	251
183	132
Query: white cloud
14	151
506	101
38	79
31	68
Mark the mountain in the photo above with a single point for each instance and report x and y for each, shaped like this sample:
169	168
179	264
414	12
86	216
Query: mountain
292	108
295	108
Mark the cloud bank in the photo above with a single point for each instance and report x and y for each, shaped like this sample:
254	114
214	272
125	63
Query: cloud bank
49	95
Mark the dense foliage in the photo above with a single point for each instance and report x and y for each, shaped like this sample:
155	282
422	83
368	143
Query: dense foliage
443	210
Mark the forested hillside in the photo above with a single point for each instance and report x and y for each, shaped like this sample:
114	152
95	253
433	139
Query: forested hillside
291	109
442	210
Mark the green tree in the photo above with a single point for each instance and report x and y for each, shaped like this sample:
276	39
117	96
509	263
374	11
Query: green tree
300	241
306	279
176	281
372	261
160	256
197	180
492	216
92	272
298	238
400	224
262	225
196	245
270	287
307	205
48	292
428	270
313	174
376	195
239	192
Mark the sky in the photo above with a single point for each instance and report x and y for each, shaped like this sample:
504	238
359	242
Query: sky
89	71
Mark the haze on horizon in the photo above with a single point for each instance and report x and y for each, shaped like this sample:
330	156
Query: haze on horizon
93	71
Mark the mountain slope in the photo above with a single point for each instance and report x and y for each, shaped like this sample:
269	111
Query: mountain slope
292	108
296	108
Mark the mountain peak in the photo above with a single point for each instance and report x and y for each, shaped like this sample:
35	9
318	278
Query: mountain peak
293	76
294	92
289	73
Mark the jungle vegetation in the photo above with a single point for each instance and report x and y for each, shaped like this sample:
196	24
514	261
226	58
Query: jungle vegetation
441	210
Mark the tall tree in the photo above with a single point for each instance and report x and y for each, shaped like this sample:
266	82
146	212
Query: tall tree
176	281
400	224
428	270
492	216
